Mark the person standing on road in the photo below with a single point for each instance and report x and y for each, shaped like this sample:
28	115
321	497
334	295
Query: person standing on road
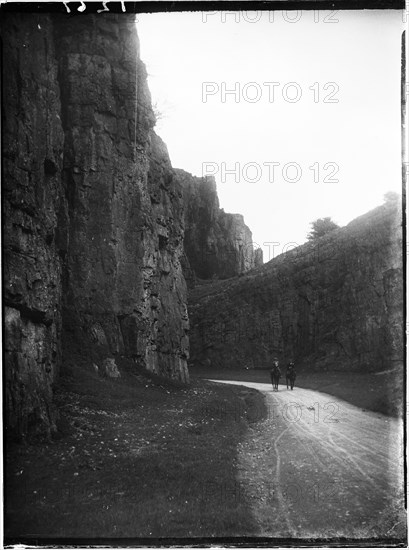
290	375
275	374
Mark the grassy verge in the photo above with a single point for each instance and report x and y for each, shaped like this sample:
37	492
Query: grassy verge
134	459
375	392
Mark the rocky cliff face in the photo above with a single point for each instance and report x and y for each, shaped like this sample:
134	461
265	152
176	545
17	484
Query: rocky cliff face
93	211
94	220
32	194
334	303
124	292
217	244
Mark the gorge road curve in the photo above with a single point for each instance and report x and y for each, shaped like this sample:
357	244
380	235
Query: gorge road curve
318	467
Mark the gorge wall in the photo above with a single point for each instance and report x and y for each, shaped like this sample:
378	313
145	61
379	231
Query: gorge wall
217	244
33	140
335	303
93	211
97	225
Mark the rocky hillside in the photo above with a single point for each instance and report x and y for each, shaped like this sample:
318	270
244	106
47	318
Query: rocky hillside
97	225
217	244
335	303
93	212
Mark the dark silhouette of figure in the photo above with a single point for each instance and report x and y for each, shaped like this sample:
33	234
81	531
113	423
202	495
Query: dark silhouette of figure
290	375
275	374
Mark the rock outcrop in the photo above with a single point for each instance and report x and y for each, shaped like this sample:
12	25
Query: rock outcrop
32	193
98	226
93	211
124	292
217	244
333	303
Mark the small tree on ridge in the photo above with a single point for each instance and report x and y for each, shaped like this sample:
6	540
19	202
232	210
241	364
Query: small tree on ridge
321	227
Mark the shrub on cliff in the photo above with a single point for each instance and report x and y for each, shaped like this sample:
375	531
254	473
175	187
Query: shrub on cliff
391	196
321	227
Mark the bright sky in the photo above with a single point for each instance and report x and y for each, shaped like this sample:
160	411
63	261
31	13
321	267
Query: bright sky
314	127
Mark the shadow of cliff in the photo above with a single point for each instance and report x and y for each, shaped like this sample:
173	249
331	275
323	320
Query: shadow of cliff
134	458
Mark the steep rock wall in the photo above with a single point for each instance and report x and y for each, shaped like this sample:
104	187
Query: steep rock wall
334	303
217	244
93	211
124	292
32	195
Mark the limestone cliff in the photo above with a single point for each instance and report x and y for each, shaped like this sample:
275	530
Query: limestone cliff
333	303
93	211
217	244
94	222
124	292
32	196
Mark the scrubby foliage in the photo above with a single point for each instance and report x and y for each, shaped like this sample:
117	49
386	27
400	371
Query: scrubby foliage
391	196
321	227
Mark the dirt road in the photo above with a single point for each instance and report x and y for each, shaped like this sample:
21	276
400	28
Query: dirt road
319	467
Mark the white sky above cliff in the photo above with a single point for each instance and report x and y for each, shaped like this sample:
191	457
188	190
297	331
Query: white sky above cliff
358	52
